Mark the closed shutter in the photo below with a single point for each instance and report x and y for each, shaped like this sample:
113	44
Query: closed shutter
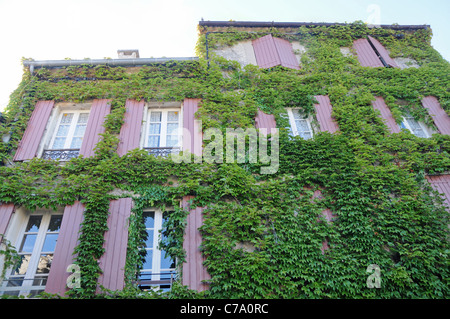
365	53
383	52
323	114
29	144
99	110
265	52
65	246
193	270
386	114
192	142
441	183
265	121
286	54
6	211
113	260
130	132
440	117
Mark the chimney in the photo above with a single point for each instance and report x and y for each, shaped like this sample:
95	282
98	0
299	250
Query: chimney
128	54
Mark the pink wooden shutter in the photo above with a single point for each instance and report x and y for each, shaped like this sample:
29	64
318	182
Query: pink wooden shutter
441	183
65	245
113	260
6	211
99	109
440	117
286	54
194	144
323	114
193	270
383	52
386	114
266	52
130	132
366	55
35	130
265	121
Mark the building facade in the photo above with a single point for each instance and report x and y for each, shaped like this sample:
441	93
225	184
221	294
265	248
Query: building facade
112	182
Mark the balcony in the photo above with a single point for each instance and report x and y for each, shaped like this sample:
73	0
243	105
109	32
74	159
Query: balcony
162	151
162	281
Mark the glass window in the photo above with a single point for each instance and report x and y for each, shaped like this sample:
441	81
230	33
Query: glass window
415	127
70	130
300	125
36	247
164	128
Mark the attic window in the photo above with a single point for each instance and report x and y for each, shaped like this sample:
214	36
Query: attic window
372	53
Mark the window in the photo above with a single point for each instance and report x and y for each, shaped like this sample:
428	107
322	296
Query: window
35	246
68	134
164	129
300	125
159	269
417	128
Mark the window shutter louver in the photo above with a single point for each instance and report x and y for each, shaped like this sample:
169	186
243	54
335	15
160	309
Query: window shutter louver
286	54
194	143
365	53
99	110
270	51
265	121
113	260
6	211
323	114
386	114
383	52
34	131
63	255
440	117
193	270
441	183
130	132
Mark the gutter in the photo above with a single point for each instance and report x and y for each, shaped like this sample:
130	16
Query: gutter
112	62
260	24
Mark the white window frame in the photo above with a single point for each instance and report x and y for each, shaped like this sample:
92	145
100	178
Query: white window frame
427	132
18	229
70	133
293	126
156	269
163	132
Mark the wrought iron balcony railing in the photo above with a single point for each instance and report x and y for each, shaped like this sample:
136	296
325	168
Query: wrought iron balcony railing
163	280
162	151
61	154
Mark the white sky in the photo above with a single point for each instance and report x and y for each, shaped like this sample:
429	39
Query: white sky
58	29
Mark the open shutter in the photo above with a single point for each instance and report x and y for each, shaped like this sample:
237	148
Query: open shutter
286	54
6	211
113	260
29	144
383	52
365	53
386	114
65	245
265	52
323	114
441	183
265	121
99	109
193	142
130	132
193	270
440	117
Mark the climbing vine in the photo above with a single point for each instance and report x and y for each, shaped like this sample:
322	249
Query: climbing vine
262	234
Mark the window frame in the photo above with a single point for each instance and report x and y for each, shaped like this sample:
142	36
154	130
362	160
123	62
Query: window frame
427	131
72	127
22	219
293	126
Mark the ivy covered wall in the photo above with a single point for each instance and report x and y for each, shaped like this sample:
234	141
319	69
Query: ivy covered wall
263	233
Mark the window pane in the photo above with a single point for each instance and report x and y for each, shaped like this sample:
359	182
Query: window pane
149	219
297	115
302	125
153	141
66	118
83	118
172	140
166	261
33	224
172	116
172	128
149	241
155	128
76	142
28	243
50	243
148	260
59	142
55	223
22	265
155	117
79	130
44	264
62	130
